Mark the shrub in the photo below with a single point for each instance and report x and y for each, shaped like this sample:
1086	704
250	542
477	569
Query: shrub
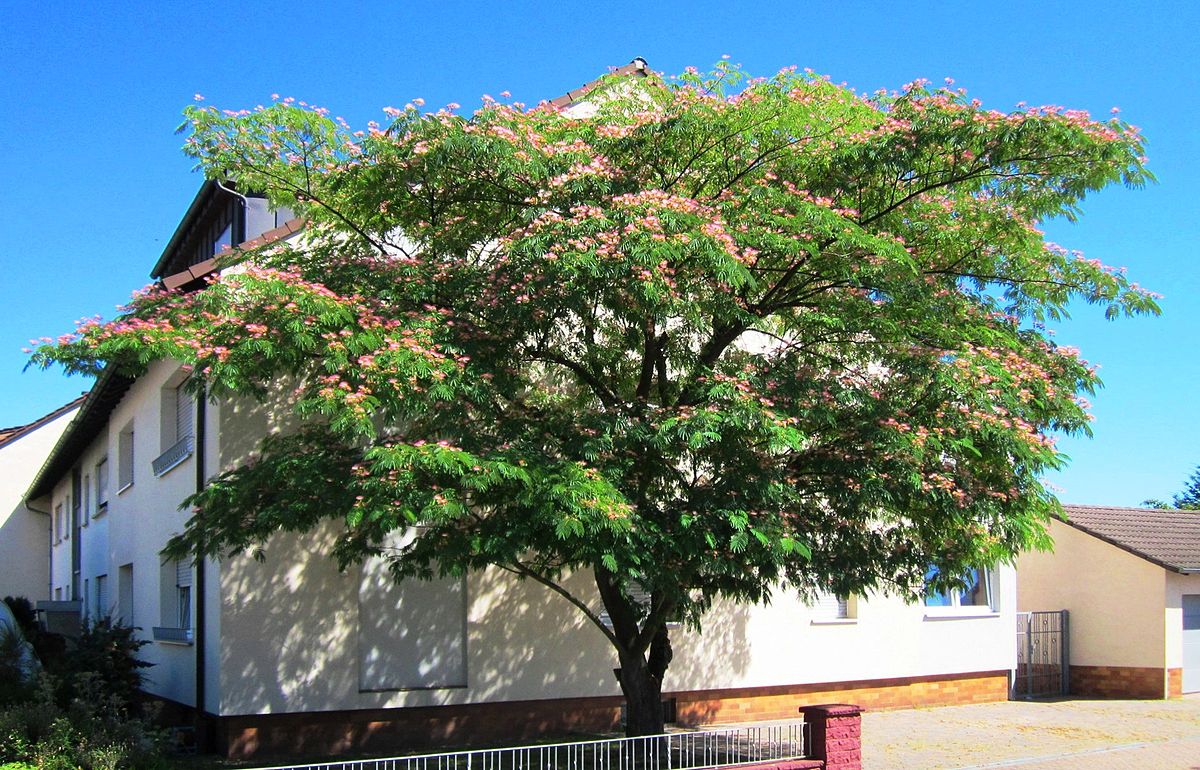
83	711
91	733
108	652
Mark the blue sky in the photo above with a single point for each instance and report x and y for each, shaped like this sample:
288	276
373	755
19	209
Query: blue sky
93	182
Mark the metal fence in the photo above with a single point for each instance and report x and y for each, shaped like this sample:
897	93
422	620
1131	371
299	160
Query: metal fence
670	751
1043	645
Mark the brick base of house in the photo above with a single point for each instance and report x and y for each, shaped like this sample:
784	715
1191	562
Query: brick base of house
1120	681
1174	682
322	733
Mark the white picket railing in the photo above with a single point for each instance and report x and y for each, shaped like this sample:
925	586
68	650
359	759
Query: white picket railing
671	751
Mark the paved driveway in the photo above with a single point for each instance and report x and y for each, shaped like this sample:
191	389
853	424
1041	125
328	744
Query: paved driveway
1042	735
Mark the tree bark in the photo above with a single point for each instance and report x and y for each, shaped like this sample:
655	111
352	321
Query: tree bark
642	665
643	698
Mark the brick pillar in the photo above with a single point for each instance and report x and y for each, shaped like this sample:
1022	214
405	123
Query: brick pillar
835	735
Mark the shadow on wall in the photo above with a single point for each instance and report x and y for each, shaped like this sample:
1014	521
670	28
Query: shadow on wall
317	661
293	648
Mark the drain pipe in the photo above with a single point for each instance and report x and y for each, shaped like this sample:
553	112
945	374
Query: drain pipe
199	635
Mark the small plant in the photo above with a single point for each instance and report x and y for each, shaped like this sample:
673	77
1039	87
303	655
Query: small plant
83	711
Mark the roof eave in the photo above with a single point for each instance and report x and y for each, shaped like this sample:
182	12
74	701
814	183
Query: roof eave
87	423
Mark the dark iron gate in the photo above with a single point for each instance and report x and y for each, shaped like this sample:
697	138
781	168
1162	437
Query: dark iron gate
1043	660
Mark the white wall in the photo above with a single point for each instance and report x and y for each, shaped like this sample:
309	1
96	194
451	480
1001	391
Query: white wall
290	640
1115	599
1177	586
135	526
25	534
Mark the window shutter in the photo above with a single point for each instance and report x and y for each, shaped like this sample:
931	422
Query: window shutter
102	482
829	606
102	606
183	414
183	573
125	463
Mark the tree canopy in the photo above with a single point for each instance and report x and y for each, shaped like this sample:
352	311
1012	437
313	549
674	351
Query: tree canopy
1187	500
703	336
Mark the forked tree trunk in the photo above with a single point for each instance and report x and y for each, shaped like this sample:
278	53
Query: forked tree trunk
641	673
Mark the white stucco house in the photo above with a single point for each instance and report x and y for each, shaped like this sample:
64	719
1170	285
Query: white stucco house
1130	579
26	533
291	655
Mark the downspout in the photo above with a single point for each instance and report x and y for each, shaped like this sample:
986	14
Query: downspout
200	637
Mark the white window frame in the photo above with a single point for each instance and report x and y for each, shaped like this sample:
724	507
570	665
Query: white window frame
956	609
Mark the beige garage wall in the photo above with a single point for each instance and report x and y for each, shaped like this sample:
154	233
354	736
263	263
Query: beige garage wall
1177	586
1115	598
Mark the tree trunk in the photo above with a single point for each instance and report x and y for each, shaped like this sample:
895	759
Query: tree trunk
642	665
643	698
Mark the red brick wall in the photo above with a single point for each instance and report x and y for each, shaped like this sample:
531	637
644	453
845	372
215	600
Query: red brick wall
1119	681
385	730
780	702
836	734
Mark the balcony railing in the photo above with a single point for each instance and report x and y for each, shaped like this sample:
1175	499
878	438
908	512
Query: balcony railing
175	635
181	451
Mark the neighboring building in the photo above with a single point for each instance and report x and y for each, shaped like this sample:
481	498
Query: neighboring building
25	532
1130	579
289	654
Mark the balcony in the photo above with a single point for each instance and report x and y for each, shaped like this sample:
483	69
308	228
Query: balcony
172	635
181	451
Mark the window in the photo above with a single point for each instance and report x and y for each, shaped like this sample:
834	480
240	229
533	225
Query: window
87	591
974	595
125	459
175	434
831	608
641	597
125	594
58	523
101	486
176	415
175	602
87	501
102	606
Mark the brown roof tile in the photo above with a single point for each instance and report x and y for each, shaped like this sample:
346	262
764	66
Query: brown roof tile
1169	538
208	266
635	67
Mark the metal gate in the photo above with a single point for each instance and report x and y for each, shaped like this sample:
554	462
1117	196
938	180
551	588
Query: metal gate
1043	660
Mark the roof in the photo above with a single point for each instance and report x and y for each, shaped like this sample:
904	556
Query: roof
636	67
199	271
1167	537
8	435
